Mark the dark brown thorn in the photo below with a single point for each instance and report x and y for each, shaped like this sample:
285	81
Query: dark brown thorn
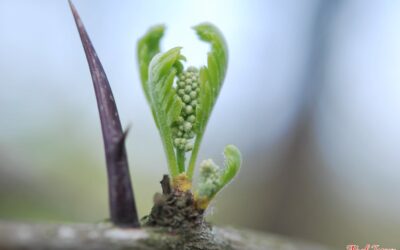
165	184
121	199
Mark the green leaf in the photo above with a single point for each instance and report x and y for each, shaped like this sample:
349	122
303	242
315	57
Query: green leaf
211	80
213	178
164	102
148	46
233	161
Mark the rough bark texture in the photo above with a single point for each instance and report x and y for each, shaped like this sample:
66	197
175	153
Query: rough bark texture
104	236
175	210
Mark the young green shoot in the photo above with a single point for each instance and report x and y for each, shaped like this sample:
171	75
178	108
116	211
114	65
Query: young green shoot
181	101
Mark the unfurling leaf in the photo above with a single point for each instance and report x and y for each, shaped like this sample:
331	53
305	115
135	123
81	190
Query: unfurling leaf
213	178
182	101
164	102
211	80
148	47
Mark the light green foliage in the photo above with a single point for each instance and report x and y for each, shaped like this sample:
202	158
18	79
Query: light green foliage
163	100
182	102
211	80
212	178
148	47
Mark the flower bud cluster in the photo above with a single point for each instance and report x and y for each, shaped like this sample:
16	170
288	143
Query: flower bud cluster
187	88
210	174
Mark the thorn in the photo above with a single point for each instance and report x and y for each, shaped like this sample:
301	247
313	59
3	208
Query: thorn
121	197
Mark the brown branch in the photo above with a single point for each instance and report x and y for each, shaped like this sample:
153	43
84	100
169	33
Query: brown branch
121	199
18	236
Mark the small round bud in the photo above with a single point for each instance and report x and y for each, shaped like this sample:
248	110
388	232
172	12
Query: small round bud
188	89
187	126
194	85
189	135
180	134
181	83
180	119
186	98
177	141
193	94
194	103
188	81
181	92
188	109
191	118
181	128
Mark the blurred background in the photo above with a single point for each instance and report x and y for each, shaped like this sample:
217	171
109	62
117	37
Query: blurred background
311	97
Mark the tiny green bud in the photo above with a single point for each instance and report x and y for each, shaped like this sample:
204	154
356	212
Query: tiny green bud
188	109
188	89
193	94
181	92
189	135
191	118
186	98
187	126
181	83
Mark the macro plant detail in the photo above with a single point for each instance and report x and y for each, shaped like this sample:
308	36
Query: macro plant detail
187	88
181	96
181	101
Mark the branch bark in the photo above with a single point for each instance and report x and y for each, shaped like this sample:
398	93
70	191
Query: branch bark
105	236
